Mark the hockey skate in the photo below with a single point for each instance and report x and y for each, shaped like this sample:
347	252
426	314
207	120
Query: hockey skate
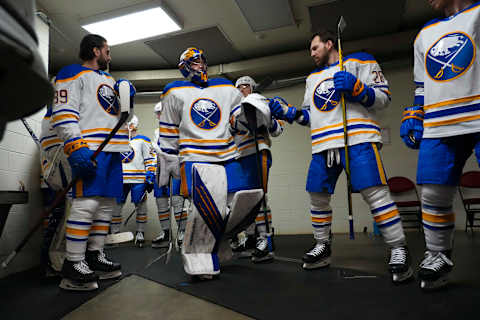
317	257
242	245
434	270
139	239
263	250
105	268
181	235
77	276
162	241
399	264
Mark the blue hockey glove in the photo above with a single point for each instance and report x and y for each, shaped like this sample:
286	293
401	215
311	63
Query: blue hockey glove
282	110
133	91
354	89
411	129
82	166
149	181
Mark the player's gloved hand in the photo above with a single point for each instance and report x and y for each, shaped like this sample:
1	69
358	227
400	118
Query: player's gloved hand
82	166
149	181
411	129
281	109
354	89
133	91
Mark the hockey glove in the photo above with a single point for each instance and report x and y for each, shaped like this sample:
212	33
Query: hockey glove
411	129
81	163
149	180
133	91
354	89
281	109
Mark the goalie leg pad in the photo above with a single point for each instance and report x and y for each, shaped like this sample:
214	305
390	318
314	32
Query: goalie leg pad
206	220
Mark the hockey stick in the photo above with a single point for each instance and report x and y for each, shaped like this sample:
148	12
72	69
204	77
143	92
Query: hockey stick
32	134
170	234
251	115
342	24
125	106
179	224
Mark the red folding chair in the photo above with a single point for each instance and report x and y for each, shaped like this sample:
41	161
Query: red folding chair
405	195
469	190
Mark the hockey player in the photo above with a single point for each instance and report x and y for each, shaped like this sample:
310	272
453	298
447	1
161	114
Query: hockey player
138	167
84	113
365	90
444	123
162	195
246	147
195	125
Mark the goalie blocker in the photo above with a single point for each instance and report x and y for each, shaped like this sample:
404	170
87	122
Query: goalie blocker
211	222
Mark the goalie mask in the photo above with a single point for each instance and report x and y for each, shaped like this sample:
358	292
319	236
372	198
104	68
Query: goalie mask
188	59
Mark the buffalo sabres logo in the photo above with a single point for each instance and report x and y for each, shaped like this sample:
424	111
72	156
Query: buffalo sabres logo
108	99
128	156
205	113
325	97
450	56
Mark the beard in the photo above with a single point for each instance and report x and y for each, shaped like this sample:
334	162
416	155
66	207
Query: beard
102	64
322	62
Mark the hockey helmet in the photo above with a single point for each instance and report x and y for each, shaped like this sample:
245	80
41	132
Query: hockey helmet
158	108
246	80
133	123
187	58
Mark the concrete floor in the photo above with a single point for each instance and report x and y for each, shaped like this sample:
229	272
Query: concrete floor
137	298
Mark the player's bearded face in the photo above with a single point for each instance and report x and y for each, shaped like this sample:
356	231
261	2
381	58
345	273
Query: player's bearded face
319	52
104	58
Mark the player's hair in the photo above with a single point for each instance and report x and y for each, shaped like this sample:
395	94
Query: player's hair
325	35
87	44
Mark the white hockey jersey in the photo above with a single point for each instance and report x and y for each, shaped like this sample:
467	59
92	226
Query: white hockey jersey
138	160
447	74
195	121
86	109
246	142
324	111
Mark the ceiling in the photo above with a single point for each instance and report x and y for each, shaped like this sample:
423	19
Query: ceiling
257	37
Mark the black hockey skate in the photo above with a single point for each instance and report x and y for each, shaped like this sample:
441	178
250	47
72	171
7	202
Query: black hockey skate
264	250
399	264
161	241
434	270
105	268
77	276
243	245
318	256
139	239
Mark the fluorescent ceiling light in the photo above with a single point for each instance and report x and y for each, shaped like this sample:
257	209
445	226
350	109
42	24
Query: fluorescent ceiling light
134	26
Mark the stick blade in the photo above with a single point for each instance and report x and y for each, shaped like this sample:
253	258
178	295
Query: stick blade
119	237
342	24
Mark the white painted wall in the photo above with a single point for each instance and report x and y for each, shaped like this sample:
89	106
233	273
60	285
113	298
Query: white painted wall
19	161
291	158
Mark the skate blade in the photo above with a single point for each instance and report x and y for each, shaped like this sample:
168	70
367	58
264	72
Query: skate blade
268	258
73	286
140	245
316	265
204	277
109	275
433	285
402	277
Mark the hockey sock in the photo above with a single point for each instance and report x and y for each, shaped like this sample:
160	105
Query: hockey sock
321	214
141	215
385	213
116	218
163	213
438	216
101	222
78	227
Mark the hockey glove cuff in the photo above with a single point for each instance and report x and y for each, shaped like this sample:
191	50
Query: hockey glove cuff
411	129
